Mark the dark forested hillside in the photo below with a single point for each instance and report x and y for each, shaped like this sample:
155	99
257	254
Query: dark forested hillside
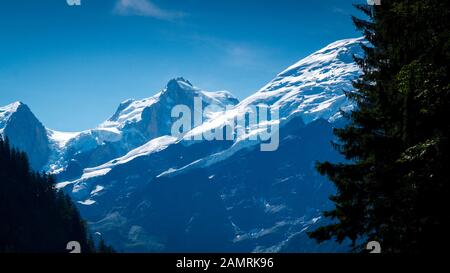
33	216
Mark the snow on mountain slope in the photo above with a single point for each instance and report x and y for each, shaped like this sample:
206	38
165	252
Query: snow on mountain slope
181	184
50	141
153	146
82	184
115	171
134	123
178	91
129	111
312	88
6	112
61	138
25	132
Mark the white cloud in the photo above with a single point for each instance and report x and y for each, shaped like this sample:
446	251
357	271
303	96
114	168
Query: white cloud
145	8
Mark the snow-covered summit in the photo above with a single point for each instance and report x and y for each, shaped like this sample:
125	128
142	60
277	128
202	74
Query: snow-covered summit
339	51
129	111
7	111
25	132
179	84
177	91
10	108
313	87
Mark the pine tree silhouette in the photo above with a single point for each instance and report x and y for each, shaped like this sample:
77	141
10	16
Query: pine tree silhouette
34	216
394	186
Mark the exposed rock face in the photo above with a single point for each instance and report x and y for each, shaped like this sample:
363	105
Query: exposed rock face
27	133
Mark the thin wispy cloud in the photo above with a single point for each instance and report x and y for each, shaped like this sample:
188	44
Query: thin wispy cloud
341	11
232	53
241	55
145	8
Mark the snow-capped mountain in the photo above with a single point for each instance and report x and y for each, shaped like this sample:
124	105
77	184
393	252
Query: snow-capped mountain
146	190
134	123
178	91
25	132
313	87
6	112
254	201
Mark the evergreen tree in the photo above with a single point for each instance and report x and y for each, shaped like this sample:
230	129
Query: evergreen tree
34	217
394	184
104	248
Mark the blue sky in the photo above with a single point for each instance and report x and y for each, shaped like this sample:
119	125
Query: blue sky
74	64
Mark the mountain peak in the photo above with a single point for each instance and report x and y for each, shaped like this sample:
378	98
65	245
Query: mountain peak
12	107
178	84
313	87
343	43
179	80
26	132
21	106
339	52
180	90
6	112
